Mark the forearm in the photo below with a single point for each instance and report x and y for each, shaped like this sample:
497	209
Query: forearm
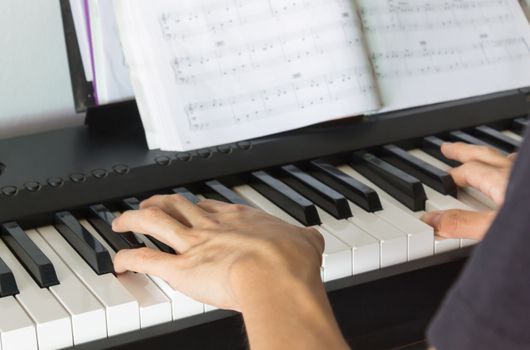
289	313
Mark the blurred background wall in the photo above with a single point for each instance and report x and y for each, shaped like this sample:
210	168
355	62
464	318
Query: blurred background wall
35	89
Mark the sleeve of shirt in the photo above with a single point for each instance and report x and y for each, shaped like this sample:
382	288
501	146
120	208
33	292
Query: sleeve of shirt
489	306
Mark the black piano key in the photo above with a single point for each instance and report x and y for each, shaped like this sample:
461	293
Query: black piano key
86	245
286	198
432	145
460	136
134	204
316	191
497	138
354	190
131	204
431	176
101	218
31	257
405	188
8	285
218	191
187	194
519	125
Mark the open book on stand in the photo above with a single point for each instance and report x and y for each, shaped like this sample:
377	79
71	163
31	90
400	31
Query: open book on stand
214	72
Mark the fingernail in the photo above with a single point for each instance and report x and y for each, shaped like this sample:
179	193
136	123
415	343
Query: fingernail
432	219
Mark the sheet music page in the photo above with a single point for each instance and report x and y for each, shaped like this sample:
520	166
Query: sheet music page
111	73
443	50
219	71
81	29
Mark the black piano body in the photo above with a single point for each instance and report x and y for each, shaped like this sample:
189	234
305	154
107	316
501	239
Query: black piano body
107	160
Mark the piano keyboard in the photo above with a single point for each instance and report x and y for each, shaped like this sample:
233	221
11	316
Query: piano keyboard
57	284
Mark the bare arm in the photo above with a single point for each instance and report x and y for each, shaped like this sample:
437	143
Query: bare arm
239	258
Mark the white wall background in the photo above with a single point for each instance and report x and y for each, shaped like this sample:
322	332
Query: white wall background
35	89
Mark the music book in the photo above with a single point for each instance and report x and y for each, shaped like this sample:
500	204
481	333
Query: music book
212	72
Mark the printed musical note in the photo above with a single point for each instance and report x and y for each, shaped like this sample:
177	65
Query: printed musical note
283	64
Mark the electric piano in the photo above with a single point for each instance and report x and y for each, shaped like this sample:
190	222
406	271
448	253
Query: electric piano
363	183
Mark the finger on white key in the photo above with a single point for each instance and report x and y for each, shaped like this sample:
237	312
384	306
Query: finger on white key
181	305
155	307
53	323
121	308
17	330
366	250
88	315
420	237
468	195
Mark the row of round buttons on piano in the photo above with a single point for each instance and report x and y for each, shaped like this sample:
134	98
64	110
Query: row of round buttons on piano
56	182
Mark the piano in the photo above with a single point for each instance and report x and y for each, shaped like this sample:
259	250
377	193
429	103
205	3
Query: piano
363	183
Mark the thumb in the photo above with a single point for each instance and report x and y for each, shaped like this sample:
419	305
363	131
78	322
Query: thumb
460	223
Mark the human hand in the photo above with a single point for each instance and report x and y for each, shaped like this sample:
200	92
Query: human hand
483	168
224	250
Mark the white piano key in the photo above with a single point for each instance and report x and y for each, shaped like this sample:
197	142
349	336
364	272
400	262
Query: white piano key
88	315
420	236
17	330
337	254
53	324
468	195
181	305
121	308
393	242
443	245
366	250
513	136
155	307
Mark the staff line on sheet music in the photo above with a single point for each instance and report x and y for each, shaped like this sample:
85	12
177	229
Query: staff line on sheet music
277	100
435	25
258	54
170	22
425	7
511	49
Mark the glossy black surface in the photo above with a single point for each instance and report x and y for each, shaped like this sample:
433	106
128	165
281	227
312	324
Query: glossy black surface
316	191
216	190
29	255
286	198
519	125
8	284
405	188
432	146
134	204
461	136
497	138
86	245
187	194
101	218
431	176
354	190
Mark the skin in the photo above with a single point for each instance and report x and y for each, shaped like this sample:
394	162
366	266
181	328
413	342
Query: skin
239	258
483	168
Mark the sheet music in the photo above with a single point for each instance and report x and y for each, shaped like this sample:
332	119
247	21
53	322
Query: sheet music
111	73
81	29
238	69
443	50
